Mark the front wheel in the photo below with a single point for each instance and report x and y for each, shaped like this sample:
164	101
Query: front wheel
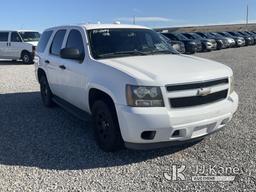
26	57
106	127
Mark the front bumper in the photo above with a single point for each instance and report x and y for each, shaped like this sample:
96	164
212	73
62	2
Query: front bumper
190	48
240	43
192	123
211	46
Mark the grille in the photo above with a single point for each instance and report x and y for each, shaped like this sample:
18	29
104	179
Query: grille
198	100
196	85
195	100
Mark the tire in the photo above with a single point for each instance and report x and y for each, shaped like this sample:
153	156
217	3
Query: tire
26	57
46	93
106	127
219	46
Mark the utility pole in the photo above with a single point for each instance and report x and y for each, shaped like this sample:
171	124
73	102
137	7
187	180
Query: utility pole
247	15
134	20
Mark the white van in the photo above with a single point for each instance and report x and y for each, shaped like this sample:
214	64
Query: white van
18	45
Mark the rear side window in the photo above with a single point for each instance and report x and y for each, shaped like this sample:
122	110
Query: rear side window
4	36
44	41
57	42
15	37
75	40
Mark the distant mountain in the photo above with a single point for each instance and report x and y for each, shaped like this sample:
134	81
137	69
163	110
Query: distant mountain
211	28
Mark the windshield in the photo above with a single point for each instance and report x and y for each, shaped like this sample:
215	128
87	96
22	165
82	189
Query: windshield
217	35
181	37
209	35
236	33
30	36
196	36
110	43
227	34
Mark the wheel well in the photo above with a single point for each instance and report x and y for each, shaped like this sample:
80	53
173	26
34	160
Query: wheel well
40	73
24	51
96	95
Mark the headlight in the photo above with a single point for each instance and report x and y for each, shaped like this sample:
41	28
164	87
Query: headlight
231	79
144	96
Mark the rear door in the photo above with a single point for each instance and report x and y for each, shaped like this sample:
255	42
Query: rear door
54	64
4	45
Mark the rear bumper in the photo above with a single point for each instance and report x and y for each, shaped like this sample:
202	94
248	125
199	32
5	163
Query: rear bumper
190	123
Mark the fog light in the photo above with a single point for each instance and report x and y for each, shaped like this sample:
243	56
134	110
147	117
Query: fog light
176	133
148	135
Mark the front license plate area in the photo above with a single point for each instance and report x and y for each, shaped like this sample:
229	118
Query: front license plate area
203	130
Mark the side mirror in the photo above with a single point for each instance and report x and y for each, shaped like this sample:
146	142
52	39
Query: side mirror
71	53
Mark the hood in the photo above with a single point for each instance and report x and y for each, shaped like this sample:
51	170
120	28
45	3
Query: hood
209	40
188	41
169	69
34	43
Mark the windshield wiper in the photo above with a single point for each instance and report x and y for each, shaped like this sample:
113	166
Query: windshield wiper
123	53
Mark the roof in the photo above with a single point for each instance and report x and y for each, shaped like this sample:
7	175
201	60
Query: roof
101	26
112	26
18	31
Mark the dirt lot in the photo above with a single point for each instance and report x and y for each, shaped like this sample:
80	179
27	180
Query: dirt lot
50	150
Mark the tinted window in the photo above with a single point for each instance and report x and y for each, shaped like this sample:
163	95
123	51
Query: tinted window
170	36
44	41
180	36
75	40
57	42
15	37
4	36
30	36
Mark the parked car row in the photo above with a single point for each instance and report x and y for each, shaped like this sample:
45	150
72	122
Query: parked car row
208	41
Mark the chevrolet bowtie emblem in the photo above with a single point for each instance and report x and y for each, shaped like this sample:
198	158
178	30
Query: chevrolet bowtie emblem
204	92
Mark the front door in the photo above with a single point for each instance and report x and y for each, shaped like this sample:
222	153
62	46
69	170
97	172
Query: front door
73	77
15	45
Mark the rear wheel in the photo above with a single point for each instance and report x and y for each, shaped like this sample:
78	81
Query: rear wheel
26	57
46	93
106	127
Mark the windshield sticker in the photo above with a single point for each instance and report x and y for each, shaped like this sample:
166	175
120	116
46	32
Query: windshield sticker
102	31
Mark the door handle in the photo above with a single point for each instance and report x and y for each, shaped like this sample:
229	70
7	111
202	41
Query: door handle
62	67
47	61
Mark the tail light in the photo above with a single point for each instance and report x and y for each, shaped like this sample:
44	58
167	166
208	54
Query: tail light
33	50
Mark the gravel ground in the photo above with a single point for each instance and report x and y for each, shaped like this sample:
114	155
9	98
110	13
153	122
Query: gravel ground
50	150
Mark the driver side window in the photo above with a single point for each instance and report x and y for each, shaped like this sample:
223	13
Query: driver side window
15	37
75	41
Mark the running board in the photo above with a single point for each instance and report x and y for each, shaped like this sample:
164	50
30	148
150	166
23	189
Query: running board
80	114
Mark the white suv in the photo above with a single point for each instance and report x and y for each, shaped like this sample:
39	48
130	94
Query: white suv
140	92
18	45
